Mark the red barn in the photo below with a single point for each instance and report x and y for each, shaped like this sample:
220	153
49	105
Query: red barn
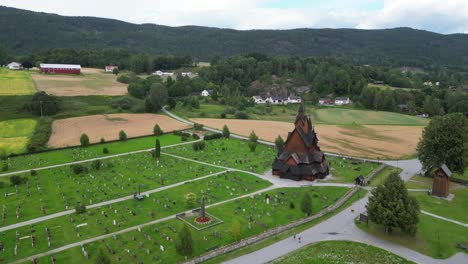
61	68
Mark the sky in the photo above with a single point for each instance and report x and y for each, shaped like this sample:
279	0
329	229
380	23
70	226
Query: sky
442	16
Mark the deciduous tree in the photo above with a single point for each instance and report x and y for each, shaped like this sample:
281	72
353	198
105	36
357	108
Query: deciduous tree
184	245
84	140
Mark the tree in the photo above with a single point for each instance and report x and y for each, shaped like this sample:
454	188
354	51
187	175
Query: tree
253	137
306	204
252	146
101	257
80	208
236	230
172	103
157	98
226	132
122	135
43	104
391	206
190	198
157	150
96	164
184	245
15	180
432	106
157	130
279	142
84	140
445	141
27	64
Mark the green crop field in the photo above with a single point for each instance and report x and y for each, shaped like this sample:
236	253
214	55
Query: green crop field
15	82
341	252
15	134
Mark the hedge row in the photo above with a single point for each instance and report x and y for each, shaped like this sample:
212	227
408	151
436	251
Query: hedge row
213	136
41	135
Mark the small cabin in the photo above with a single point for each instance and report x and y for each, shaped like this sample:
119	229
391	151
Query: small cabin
441	183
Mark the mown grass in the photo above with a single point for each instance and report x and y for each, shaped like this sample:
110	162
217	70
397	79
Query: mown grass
455	209
346	171
204	240
60	156
419	182
329	252
383	175
435	238
130	213
15	82
15	135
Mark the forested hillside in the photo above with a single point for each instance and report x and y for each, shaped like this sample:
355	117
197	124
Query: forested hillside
25	32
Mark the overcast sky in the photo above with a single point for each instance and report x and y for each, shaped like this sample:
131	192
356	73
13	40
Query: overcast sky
443	16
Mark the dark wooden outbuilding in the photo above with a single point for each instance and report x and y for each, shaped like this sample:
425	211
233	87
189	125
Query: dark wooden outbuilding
301	158
441	184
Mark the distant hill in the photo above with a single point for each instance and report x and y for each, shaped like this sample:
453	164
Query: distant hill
27	32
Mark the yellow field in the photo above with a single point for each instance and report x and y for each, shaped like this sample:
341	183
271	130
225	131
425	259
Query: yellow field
15	134
15	82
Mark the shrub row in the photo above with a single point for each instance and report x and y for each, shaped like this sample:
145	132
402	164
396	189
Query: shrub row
41	135
213	136
199	145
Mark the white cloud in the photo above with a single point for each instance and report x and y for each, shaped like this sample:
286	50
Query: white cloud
434	15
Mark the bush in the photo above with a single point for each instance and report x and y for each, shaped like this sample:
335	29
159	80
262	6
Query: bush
213	136
126	77
241	115
184	138
5	166
80	208
181	134
105	151
33	173
78	168
222	115
291	205
96	164
157	131
253	137
199	145
102	141
197	126
195	136
41	135
84	140
16	180
226	132
122	135
252	146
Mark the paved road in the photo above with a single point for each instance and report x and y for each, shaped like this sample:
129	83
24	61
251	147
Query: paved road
342	227
89	160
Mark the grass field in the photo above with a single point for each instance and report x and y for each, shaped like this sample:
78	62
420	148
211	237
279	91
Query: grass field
419	182
15	135
264	217
455	209
99	221
383	175
55	157
435	238
90	82
15	82
346	171
388	87
341	252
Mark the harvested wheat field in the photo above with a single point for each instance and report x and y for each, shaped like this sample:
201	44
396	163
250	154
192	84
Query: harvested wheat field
67	132
371	141
89	82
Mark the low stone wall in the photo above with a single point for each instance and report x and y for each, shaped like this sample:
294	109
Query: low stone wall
274	231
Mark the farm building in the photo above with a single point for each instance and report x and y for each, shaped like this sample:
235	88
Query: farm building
301	157
342	101
60	68
441	184
294	99
15	66
111	68
259	99
206	93
325	101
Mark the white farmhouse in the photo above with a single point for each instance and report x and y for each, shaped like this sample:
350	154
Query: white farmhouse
259	99
206	93
342	101
294	100
15	66
275	100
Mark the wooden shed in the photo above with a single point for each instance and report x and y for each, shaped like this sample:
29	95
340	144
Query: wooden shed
441	184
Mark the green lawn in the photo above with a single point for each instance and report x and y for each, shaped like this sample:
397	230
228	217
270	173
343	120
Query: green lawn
230	153
15	134
265	216
346	171
32	161
435	238
419	182
455	209
65	230
329	252
15	82
383	175
463	176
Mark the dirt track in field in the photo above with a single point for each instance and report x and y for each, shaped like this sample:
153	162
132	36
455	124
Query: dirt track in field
90	82
67	132
371	141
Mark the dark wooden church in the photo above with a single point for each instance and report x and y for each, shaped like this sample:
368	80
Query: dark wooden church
301	158
441	183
